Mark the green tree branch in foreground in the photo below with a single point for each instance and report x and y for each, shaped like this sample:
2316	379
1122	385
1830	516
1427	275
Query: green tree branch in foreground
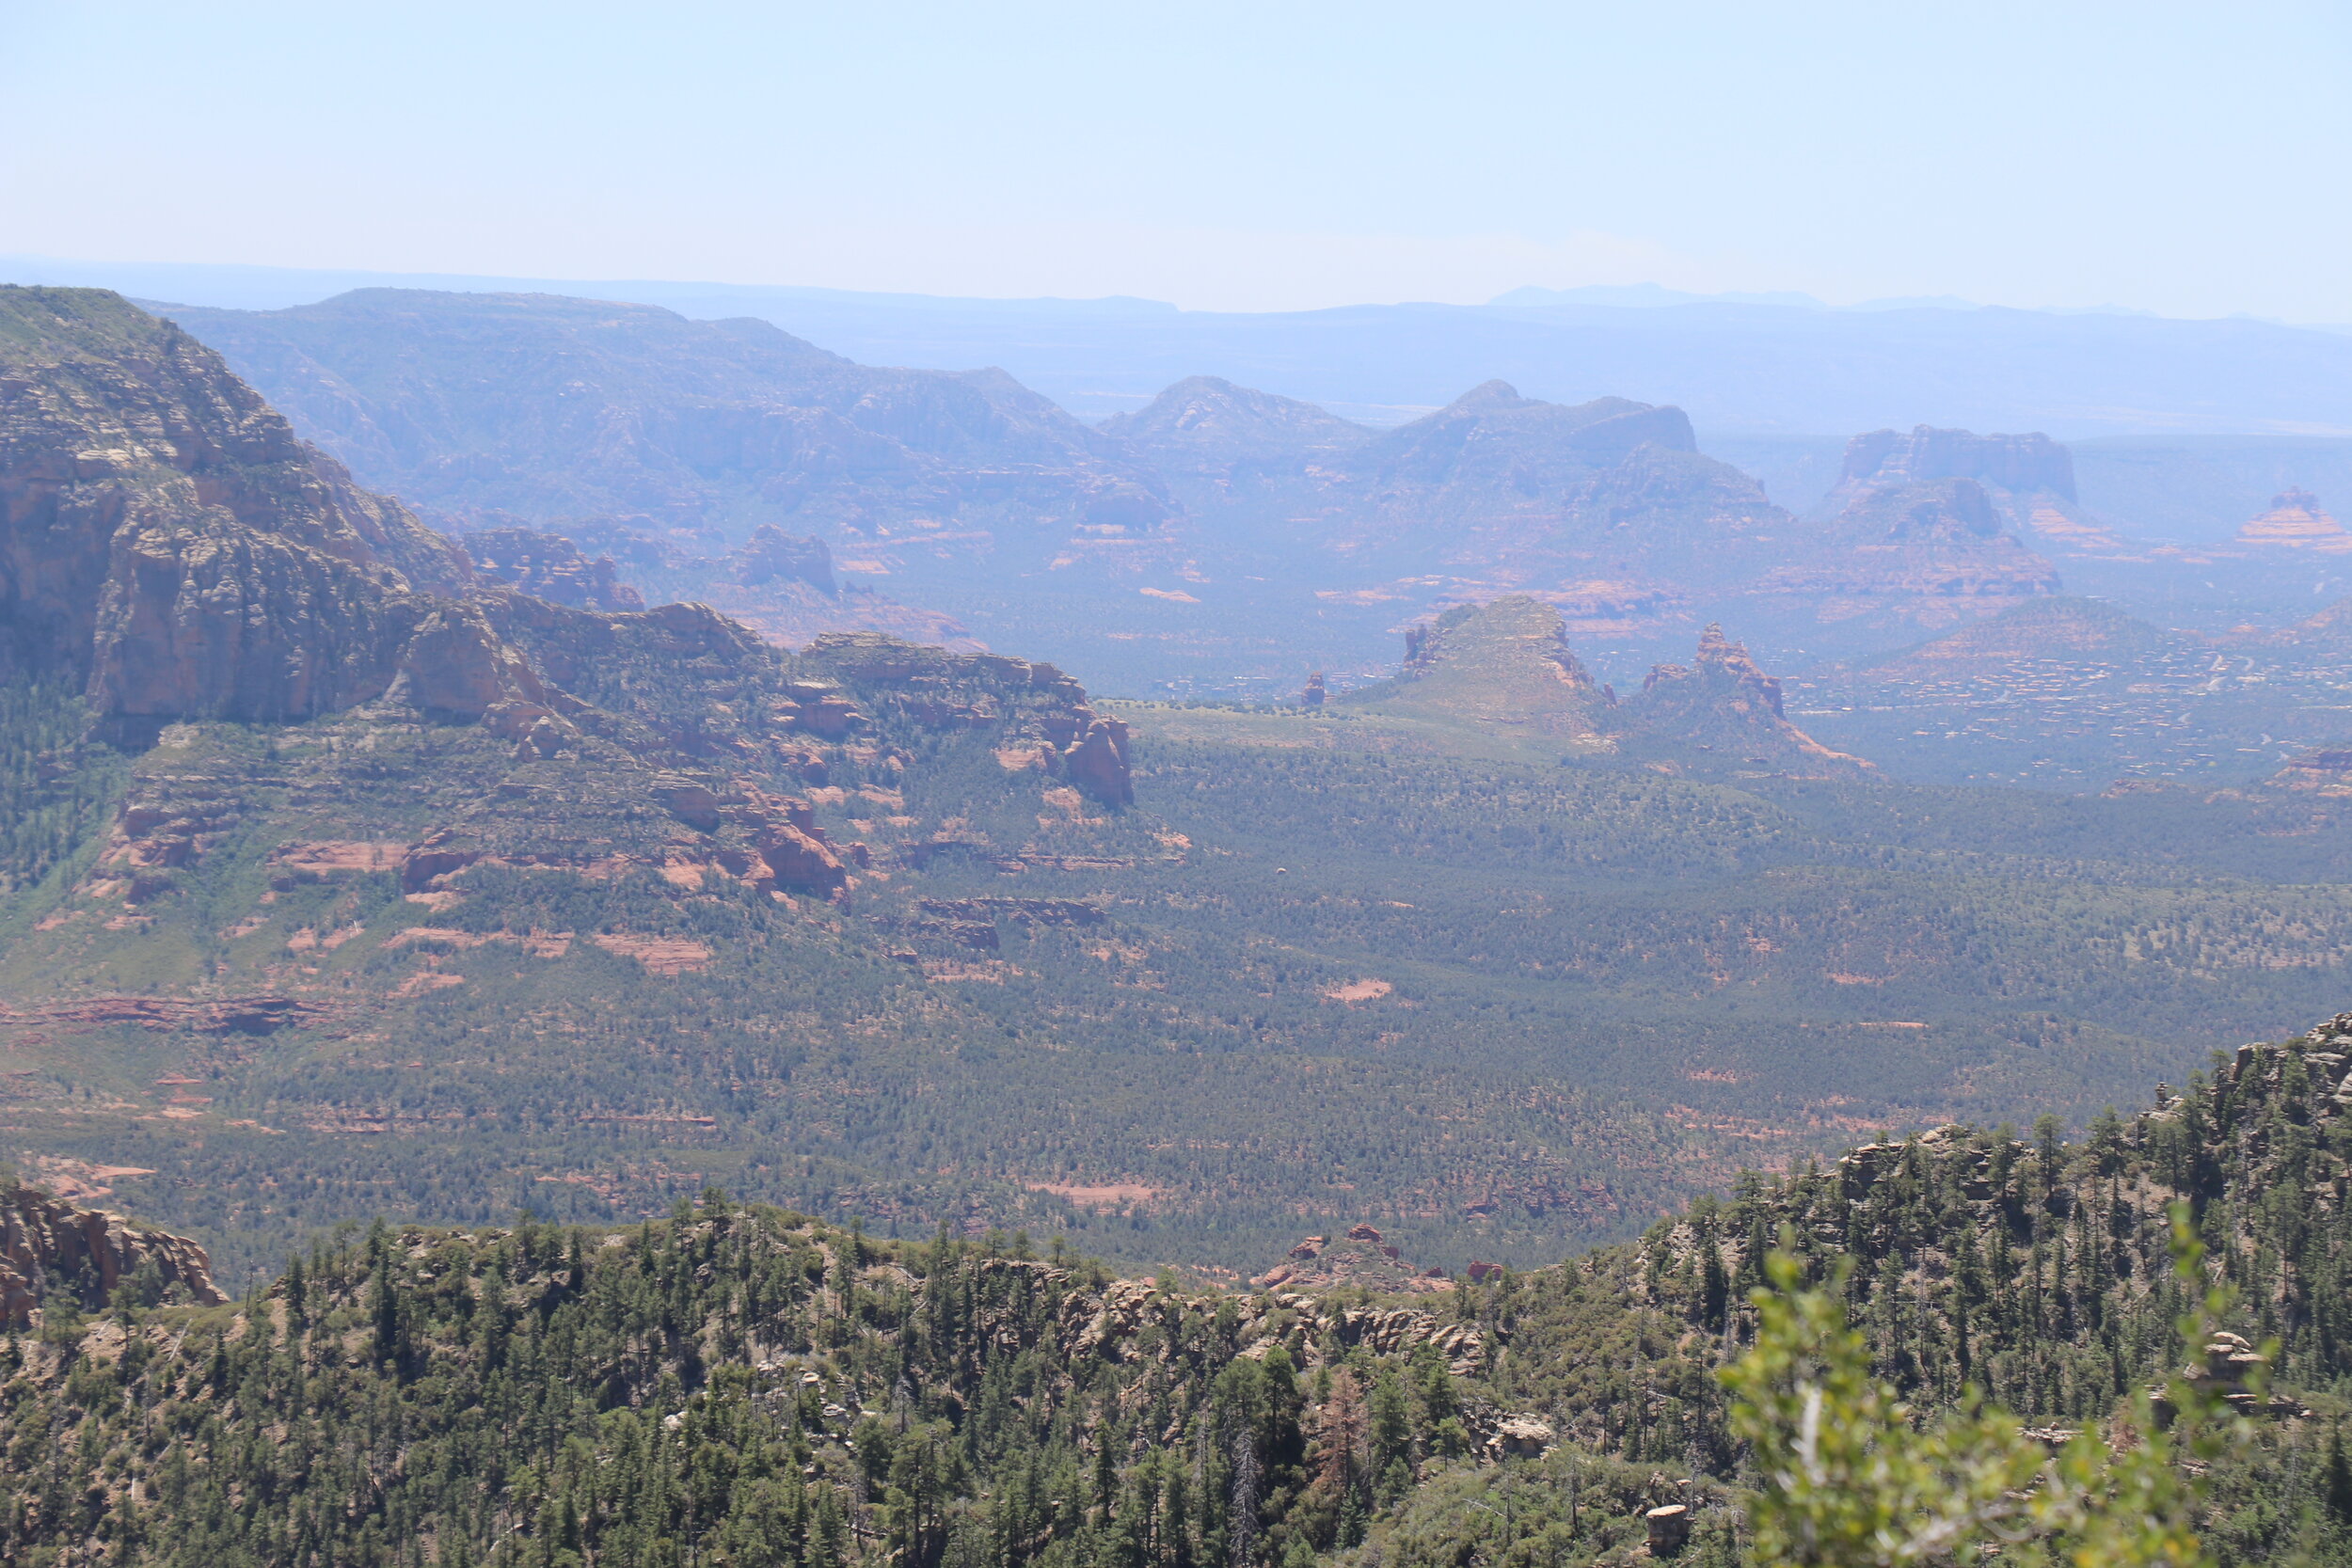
1847	1477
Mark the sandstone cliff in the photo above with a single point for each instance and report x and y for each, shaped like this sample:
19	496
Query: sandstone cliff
1031	709
1913	534
49	1246
2017	465
550	566
166	538
1495	487
782	585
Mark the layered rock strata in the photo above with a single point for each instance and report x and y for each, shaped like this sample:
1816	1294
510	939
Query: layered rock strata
169	543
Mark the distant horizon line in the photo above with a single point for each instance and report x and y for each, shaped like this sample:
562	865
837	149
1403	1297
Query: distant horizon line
298	286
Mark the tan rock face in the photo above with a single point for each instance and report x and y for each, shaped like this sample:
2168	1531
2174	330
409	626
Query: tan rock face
200	619
457	666
48	1247
1097	762
785	832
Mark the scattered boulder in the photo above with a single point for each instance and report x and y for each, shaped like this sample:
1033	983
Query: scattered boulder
1669	1529
1521	1438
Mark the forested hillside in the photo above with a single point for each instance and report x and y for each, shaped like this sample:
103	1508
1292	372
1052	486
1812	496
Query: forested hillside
742	1384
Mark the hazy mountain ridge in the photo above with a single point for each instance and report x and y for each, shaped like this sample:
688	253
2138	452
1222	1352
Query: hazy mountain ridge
1749	366
984	499
545	407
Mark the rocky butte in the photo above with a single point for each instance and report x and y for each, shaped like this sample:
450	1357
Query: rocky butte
1724	703
2295	521
1922	526
2027	480
1506	669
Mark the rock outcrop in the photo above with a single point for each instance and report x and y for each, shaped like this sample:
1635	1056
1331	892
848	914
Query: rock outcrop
2018	465
1495	489
1912	532
550	566
49	1247
1032	709
1507	665
698	834
1361	1258
1240	461
449	727
782	585
542	408
1122	1322
2322	770
1206	427
1505	672
2295	521
1512	489
166	539
1726	707
773	556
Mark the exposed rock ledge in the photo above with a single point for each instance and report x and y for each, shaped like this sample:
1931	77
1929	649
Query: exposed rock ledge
48	1246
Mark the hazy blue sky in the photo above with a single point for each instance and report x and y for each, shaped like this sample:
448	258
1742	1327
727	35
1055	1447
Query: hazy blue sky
2191	159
